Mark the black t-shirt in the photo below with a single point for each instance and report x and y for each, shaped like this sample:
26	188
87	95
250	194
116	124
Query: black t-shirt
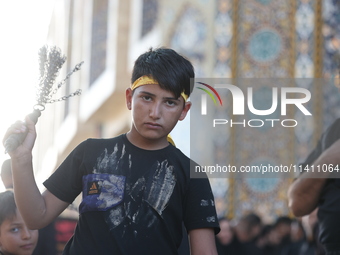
134	200
329	203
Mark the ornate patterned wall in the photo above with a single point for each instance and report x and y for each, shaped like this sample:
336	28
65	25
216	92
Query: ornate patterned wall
262	48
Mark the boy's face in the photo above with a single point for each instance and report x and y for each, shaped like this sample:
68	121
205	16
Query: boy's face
155	112
16	238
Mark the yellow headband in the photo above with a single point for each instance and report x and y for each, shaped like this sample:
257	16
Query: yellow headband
147	80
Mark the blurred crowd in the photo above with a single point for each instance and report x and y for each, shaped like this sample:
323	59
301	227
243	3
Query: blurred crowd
285	236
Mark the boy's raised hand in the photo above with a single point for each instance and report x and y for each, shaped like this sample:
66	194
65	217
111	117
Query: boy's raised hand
37	210
26	129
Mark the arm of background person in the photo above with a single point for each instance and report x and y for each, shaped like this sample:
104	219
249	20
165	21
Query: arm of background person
36	209
304	193
202	241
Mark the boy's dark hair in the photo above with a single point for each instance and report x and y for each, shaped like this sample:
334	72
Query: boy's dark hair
171	70
7	205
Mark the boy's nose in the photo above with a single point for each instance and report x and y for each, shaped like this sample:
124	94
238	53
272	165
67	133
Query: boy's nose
155	111
26	233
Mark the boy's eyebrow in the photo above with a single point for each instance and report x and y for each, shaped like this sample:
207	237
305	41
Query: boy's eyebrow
15	224
167	98
171	98
148	93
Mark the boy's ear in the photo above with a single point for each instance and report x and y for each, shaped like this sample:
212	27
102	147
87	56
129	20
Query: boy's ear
185	110
128	97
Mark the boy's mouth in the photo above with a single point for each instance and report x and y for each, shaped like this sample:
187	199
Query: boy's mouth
152	125
27	246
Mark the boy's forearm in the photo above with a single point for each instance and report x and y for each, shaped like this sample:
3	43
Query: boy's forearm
27	195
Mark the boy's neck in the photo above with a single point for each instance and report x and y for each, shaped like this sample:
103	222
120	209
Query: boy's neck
146	144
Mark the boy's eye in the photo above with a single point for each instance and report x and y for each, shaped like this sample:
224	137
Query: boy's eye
170	103
146	98
14	230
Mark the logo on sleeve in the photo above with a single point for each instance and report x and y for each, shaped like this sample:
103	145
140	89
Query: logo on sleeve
93	188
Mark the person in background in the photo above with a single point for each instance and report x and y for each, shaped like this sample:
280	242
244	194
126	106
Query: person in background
47	236
320	188
245	232
283	227
225	237
15	237
268	240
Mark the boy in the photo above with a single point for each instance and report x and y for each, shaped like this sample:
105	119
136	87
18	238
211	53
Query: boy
136	187
15	237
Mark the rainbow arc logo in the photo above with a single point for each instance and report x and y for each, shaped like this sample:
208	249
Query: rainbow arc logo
211	94
209	90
